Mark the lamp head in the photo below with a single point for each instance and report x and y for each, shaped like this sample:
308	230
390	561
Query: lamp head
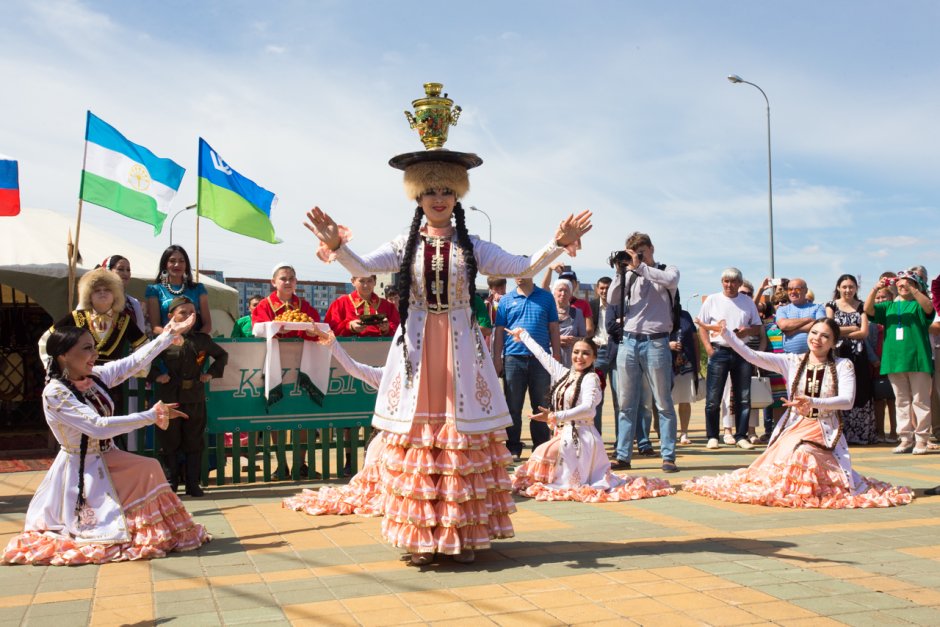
734	78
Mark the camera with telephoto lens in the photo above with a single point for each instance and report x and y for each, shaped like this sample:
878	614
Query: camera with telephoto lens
618	258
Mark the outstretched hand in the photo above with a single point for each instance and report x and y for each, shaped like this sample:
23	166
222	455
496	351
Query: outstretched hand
802	404
515	333
716	328
573	227
178	328
324	227
326	336
542	416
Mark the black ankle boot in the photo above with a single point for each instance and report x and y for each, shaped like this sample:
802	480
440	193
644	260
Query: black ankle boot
193	471
169	469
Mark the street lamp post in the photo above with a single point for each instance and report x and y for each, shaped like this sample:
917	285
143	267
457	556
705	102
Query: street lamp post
176	215
734	78
487	219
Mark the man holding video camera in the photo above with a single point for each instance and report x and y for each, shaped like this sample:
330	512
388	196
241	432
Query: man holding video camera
362	313
642	299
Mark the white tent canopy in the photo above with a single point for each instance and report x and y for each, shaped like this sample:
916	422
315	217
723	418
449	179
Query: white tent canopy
33	259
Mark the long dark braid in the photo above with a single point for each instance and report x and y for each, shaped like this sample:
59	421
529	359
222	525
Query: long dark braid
55	373
575	439
404	286
466	247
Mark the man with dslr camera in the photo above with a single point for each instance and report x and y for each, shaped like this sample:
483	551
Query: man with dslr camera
645	292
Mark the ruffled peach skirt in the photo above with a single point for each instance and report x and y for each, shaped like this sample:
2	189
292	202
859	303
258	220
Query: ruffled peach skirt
794	474
444	491
156	520
562	470
362	495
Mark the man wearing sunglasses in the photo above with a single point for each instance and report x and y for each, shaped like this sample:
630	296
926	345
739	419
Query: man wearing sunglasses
795	319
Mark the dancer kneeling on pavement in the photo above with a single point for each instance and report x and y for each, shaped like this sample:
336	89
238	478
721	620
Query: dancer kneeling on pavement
97	503
807	462
573	465
363	494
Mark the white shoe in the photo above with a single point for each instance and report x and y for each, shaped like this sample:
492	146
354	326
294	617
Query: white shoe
684	439
919	451
903	448
743	443
728	439
712	443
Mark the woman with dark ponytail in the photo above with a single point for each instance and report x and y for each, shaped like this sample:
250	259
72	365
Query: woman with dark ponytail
573	465
97	503
807	462
440	405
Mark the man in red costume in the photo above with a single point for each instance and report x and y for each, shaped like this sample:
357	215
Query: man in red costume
362	313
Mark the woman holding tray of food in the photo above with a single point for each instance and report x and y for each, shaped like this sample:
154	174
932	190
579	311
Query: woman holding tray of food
440	404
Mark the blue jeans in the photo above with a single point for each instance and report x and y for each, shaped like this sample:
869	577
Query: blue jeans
524	373
607	364
640	358
722	363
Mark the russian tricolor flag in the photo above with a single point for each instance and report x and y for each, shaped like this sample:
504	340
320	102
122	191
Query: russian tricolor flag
9	187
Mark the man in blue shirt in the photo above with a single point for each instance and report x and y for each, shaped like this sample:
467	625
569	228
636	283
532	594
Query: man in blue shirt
795	319
534	310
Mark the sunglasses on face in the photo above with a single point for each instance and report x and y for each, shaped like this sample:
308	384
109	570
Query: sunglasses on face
795	289
745	293
443	191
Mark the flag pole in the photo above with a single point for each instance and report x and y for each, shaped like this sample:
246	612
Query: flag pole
73	257
197	245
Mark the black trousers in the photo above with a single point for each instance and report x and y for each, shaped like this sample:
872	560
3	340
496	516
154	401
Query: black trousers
184	435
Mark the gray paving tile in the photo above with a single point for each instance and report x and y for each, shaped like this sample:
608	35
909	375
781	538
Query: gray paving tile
60	610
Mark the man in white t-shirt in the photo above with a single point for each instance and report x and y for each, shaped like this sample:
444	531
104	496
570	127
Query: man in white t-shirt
740	314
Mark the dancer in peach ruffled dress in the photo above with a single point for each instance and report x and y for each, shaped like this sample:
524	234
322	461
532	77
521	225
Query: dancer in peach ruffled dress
440	404
363	494
573	465
97	503
807	462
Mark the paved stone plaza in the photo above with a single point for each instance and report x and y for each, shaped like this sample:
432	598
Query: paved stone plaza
677	560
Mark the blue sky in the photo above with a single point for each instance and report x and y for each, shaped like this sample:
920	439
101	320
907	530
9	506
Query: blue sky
618	107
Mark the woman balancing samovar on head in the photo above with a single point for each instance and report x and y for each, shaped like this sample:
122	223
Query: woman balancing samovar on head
440	404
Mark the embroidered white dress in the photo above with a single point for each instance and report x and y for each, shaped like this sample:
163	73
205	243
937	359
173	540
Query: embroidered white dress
136	517
573	464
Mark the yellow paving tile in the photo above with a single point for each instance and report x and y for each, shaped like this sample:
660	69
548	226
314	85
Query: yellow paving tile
444	611
708	582
578	582
376	602
672	619
610	591
677	572
582	613
63	595
921	596
778	610
314	611
659	588
533	586
339	569
122	616
842	572
633	576
501	605
930	552
286	575
104	589
638	607
391	616
883	584
558	598
692	600
428	597
171	585
526	619
742	595
126	601
492	591
371	567
818	621
15	600
725	615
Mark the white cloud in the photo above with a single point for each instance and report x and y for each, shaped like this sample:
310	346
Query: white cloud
275	49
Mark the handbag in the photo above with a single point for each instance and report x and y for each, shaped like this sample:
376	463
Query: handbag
761	394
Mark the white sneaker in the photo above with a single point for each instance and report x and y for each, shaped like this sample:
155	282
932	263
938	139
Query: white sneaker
728	439
743	443
712	443
903	448
919	451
